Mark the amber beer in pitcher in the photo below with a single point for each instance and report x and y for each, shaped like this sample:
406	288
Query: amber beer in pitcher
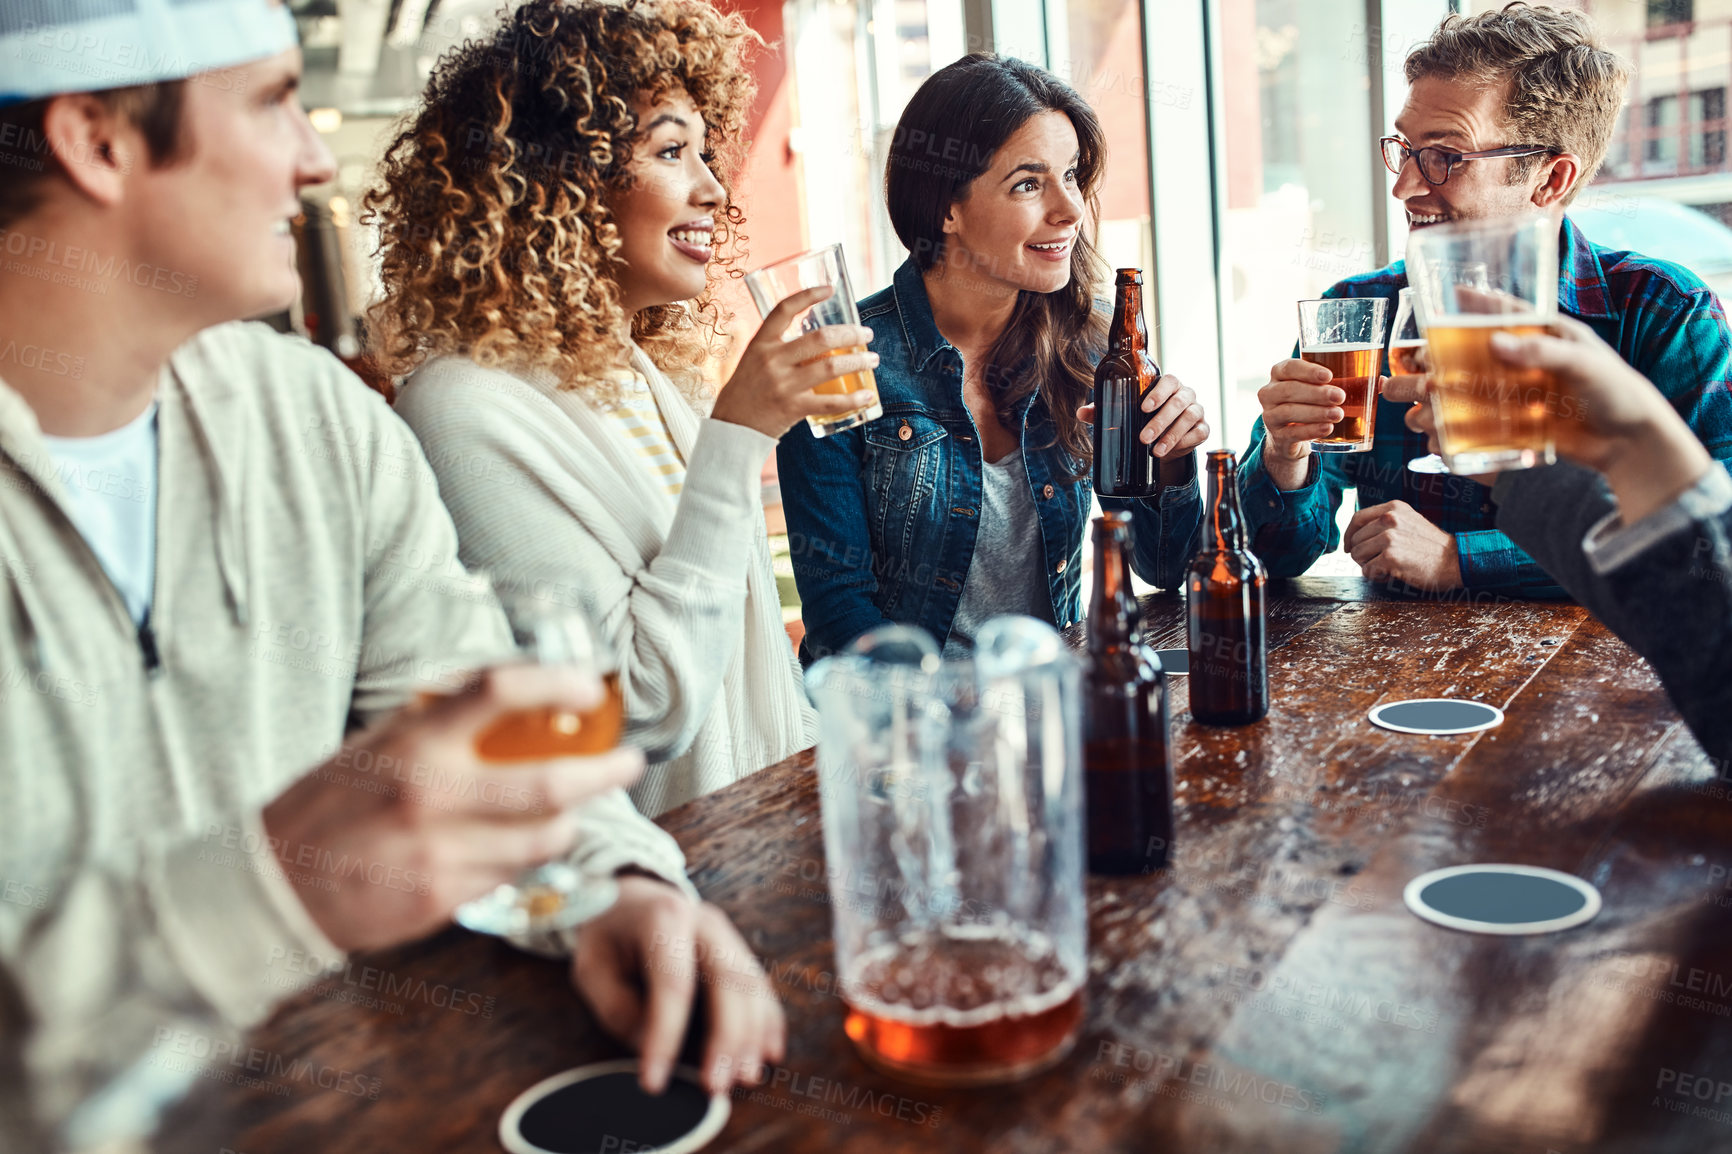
953	1007
954	846
1124	466
1224	601
1127	770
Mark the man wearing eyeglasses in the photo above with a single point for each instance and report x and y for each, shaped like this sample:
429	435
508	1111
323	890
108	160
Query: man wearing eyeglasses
1507	112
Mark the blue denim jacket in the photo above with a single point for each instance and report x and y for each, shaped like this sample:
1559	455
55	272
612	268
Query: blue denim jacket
882	517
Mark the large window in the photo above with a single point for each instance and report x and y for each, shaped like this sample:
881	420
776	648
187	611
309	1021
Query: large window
1104	62
1300	147
1666	187
856	63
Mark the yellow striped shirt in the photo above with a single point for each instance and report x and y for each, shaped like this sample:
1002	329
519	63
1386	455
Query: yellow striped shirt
647	430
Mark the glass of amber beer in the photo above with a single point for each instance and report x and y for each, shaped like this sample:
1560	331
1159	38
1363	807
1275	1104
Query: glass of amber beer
1407	359
775	283
1345	336
556	895
953	838
1471	280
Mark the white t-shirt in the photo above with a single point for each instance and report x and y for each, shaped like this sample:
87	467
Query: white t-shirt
111	483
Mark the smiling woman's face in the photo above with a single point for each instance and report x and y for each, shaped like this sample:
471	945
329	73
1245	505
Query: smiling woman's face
666	212
1020	221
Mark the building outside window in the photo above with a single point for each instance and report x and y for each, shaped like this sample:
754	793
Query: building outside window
1666	187
1699	142
1663	12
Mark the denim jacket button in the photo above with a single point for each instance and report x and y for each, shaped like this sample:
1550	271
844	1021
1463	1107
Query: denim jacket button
1061	566
904	433
1047	492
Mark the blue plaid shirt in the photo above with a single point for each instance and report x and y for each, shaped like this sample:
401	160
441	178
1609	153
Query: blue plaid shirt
1660	317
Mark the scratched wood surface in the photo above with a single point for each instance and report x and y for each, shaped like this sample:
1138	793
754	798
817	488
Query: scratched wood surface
1268	992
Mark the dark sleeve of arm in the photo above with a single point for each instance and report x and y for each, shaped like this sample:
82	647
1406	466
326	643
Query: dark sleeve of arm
1491	562
1290	530
1672	603
824	500
1165	533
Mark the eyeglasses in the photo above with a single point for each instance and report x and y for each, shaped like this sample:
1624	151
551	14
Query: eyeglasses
1435	164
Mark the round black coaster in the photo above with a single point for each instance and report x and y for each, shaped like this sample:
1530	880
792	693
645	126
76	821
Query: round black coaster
1502	899
1436	716
600	1109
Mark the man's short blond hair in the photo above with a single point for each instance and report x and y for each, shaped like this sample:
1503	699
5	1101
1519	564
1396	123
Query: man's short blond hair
1563	87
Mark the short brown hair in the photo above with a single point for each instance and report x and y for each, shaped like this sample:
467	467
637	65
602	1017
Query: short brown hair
1564	88
27	161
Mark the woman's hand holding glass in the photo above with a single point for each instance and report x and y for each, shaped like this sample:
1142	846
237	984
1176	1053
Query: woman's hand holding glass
1619	424
774	385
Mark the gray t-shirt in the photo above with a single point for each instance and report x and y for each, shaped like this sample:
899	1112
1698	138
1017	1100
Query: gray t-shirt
1006	573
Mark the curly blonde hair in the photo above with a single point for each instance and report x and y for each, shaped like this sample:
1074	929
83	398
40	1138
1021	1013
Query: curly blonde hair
496	239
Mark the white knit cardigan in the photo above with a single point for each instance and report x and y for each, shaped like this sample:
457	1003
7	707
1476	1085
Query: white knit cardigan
545	488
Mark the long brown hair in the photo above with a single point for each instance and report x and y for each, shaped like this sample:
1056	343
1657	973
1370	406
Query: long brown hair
947	136
496	240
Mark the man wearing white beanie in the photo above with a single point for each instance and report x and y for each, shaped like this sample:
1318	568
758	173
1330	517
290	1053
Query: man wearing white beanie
223	570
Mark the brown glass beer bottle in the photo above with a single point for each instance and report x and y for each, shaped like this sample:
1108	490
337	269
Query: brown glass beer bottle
1124	466
1224	596
1127	770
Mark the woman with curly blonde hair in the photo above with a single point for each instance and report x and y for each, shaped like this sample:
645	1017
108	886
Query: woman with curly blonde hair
552	220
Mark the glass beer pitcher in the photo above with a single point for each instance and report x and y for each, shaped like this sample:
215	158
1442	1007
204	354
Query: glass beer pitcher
952	805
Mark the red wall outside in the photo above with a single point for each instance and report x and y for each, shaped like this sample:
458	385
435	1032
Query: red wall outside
768	191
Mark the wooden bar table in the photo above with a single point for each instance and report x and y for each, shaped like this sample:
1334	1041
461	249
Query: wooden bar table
1268	992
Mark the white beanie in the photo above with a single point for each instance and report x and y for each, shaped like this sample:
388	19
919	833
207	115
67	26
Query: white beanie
48	47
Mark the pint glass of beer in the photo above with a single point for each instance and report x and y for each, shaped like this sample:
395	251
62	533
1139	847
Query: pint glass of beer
1471	280
1406	341
775	283
556	895
1407	359
953	833
1345	336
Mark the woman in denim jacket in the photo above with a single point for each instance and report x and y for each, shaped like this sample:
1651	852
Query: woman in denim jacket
968	497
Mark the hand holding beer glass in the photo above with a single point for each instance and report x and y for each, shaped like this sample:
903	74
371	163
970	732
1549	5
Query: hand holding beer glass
823	267
556	895
1345	336
1470	281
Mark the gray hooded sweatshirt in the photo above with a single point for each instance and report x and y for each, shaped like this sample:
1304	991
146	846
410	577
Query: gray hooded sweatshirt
307	584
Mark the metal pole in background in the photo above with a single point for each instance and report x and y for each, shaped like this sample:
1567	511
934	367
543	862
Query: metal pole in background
1181	58
1375	51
